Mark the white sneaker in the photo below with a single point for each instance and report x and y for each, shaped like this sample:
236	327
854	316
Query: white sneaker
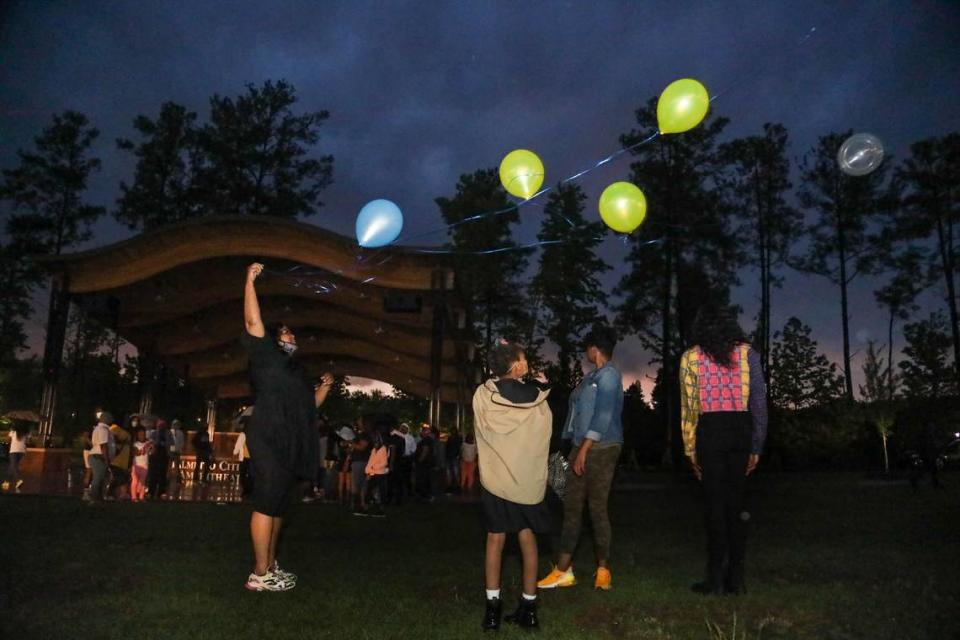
285	575
268	582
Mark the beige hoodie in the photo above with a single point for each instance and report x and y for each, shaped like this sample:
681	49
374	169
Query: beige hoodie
513	442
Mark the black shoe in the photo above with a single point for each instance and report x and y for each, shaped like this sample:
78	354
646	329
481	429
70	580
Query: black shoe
491	618
525	616
706	588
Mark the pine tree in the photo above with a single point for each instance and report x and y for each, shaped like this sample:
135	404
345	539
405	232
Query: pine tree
927	369
756	181
47	213
254	155
567	284
899	295
876	382
930	211
45	191
491	281
162	189
16	276
684	251
839	247
801	377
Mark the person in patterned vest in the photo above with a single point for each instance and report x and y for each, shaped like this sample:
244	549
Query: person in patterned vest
723	414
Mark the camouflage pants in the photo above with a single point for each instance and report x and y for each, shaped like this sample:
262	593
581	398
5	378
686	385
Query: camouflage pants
592	488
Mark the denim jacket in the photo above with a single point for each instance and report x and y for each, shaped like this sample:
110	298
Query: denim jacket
595	408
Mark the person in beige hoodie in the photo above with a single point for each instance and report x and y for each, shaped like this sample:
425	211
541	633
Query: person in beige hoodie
513	426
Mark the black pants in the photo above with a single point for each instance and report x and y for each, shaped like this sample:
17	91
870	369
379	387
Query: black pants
157	473
377	489
423	473
723	448
201	469
399	483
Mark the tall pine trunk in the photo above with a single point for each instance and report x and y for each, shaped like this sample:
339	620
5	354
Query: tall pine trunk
890	355
945	242
842	256
667	348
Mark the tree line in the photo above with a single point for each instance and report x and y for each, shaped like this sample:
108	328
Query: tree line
723	211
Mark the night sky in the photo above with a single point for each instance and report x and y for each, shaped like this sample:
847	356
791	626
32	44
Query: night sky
422	92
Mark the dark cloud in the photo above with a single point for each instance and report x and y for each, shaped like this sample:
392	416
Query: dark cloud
420	92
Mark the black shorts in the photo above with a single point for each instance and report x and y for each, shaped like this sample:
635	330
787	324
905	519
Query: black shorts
272	485
121	476
503	516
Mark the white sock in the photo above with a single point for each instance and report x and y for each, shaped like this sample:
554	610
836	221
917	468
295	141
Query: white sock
493	593
526	597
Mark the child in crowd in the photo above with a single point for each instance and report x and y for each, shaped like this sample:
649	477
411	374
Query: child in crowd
138	480
86	443
344	483
513	426
376	471
468	463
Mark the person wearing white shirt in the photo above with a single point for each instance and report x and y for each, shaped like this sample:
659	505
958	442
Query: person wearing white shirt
100	455
406	462
18	449
409	440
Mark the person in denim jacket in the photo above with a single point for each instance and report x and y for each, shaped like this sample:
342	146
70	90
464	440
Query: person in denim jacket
594	426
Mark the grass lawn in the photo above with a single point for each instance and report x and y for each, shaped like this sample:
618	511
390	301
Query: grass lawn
830	558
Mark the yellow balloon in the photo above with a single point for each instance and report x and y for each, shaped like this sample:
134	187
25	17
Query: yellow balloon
623	206
682	106
521	173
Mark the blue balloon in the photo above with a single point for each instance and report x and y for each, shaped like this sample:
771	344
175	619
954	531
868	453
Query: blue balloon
378	224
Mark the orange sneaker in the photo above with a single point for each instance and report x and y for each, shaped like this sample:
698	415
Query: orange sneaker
603	579
557	578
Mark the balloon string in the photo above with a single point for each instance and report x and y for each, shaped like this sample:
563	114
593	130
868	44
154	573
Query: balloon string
802	41
516	206
487	252
360	259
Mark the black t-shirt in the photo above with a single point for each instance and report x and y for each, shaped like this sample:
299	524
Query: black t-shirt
362	447
425	451
201	443
519	392
397	447
283	426
452	449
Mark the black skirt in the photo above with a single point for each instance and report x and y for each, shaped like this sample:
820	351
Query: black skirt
503	516
272	483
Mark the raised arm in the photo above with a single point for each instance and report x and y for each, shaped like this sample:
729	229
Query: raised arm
321	390
251	308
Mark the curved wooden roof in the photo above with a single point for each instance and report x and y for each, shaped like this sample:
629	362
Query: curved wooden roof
177	293
154	252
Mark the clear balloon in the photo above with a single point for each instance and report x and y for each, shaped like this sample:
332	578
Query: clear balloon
521	173
623	207
860	154
378	224
682	106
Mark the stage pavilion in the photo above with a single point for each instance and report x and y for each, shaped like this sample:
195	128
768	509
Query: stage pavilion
176	294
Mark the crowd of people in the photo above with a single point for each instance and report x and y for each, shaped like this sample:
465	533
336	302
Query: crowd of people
136	460
376	461
379	461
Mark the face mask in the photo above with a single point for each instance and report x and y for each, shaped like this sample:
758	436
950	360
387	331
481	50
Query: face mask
288	347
